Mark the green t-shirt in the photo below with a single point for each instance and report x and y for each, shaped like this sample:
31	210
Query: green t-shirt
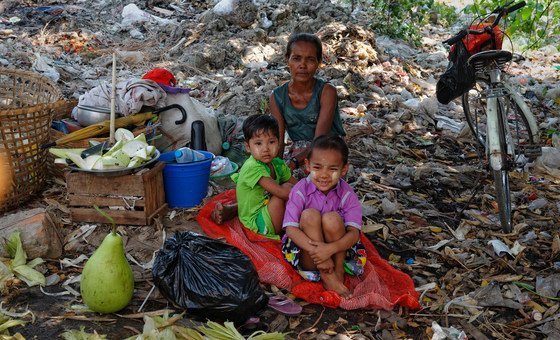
251	197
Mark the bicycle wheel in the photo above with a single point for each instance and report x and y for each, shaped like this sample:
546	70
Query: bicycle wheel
501	176
522	137
474	107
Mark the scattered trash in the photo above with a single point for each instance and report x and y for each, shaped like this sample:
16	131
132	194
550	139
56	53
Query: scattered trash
451	333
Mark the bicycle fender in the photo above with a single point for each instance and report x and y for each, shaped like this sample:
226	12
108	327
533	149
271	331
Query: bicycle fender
492	126
524	110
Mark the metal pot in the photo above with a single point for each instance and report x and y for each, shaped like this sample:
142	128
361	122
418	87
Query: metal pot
88	115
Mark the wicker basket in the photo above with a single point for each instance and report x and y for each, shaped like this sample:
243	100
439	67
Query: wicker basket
28	102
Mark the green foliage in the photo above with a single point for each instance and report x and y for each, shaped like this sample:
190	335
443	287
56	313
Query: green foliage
535	23
404	18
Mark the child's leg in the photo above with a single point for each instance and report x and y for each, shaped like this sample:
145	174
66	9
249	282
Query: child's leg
310	224
276	208
334	230
224	211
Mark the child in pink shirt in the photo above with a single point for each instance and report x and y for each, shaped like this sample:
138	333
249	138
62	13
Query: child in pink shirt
323	219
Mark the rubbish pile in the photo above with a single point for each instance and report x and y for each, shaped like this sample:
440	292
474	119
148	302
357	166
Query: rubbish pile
428	201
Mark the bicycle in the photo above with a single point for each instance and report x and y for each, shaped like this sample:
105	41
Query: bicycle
496	113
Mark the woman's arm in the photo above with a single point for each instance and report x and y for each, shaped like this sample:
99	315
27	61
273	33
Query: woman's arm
275	111
326	114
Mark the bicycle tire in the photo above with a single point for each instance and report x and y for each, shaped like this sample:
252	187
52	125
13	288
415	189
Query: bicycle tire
474	107
501	177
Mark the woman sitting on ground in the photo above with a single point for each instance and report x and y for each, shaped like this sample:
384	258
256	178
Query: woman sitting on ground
305	106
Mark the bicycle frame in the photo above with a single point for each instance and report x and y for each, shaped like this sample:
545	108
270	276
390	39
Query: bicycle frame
502	89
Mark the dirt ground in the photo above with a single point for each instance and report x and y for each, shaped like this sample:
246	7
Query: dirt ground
53	315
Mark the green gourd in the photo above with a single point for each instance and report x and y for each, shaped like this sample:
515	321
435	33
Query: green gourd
107	283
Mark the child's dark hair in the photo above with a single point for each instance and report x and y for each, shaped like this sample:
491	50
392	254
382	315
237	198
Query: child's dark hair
307	37
260	123
330	142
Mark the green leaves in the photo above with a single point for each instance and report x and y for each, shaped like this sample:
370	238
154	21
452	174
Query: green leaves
19	265
536	22
404	18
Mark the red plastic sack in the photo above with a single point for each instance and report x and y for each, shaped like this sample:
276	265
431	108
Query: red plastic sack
380	287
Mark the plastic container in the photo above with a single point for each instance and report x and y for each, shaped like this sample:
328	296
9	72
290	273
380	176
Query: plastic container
187	155
186	184
224	179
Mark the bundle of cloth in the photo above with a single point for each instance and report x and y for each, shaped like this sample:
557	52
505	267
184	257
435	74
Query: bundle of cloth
156	89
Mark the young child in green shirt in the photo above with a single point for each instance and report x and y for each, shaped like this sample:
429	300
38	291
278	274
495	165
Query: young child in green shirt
264	181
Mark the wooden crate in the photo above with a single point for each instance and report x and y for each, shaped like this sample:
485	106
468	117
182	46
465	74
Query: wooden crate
142	191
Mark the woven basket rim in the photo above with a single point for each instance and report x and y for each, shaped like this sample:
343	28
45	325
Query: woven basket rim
34	75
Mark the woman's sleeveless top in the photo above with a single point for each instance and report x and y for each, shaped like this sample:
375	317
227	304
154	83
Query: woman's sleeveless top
301	124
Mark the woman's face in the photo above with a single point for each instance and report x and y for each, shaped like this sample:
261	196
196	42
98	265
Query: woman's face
303	61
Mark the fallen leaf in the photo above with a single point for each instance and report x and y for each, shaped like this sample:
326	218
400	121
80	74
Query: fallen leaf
436	229
373	227
504	278
555	246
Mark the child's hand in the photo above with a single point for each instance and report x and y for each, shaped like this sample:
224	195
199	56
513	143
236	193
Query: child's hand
322	252
326	266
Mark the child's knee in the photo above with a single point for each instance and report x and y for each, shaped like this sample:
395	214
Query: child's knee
332	219
333	225
310	216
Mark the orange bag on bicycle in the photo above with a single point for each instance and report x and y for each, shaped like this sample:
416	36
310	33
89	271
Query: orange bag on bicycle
481	42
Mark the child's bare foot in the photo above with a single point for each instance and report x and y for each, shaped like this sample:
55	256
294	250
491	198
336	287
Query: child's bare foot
224	212
331	282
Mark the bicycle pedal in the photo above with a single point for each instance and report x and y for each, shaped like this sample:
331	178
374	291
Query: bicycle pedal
531	151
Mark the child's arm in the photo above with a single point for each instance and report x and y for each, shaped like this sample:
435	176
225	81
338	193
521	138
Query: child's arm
300	238
351	213
322	251
292	180
274	188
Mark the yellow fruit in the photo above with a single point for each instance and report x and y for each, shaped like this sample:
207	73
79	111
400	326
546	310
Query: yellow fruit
107	283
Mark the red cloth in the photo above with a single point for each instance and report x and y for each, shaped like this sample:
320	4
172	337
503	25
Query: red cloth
161	76
380	287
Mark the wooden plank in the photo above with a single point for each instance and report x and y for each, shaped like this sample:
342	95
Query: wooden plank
129	217
86	190
160	211
84	183
102	201
153	188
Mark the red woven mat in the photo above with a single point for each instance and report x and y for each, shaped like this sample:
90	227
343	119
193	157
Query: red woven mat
380	287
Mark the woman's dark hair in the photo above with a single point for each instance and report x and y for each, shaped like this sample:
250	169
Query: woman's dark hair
260	123
307	37
330	142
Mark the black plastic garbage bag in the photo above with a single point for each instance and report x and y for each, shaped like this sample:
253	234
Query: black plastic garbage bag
458	78
208	278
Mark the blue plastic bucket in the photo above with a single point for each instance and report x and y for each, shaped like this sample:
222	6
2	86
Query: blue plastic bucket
186	184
